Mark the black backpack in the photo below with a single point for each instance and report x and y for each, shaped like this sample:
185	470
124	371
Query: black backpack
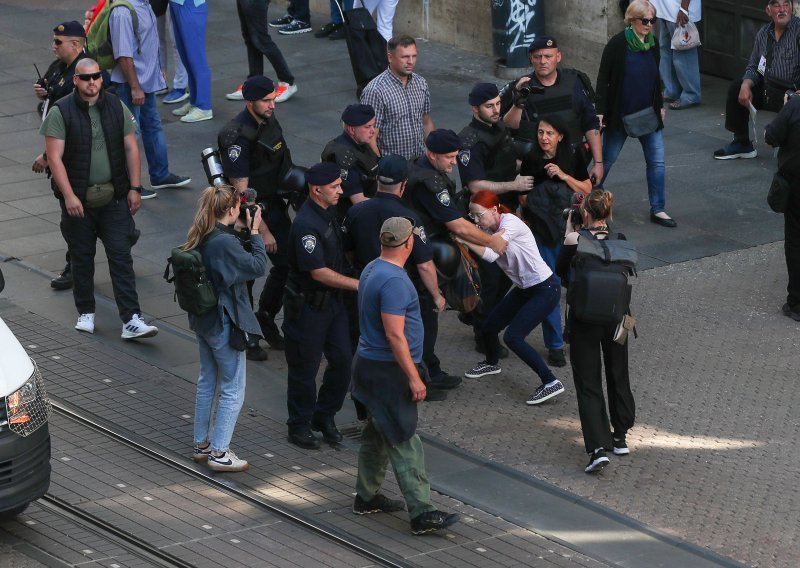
194	290
599	292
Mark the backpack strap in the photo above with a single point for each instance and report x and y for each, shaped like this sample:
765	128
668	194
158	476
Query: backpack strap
134	20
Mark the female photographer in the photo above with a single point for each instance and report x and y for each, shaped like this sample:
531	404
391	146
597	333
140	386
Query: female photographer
558	172
534	295
588	342
222	367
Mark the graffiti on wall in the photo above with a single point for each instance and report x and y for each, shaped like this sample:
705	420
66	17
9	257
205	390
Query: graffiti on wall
520	14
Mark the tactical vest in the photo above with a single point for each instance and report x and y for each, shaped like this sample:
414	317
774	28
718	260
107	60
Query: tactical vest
501	163
426	179
269	155
557	100
78	143
346	157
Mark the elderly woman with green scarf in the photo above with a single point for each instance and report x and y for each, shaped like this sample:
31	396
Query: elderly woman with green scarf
630	101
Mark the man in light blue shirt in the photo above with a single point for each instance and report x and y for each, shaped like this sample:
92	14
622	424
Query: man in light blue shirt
138	77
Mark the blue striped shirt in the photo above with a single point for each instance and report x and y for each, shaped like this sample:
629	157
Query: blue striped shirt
143	52
785	65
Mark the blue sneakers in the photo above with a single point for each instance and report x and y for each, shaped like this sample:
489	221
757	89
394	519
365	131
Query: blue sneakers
176	96
736	150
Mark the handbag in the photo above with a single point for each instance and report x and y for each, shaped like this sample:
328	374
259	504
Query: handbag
685	37
640	123
778	196
238	337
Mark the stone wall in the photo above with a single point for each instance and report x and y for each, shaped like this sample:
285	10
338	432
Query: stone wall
581	27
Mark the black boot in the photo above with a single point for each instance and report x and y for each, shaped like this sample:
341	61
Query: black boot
64	280
254	350
270	330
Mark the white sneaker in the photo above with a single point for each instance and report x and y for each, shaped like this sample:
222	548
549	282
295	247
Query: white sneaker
235	95
183	110
285	92
227	462
136	328
198	115
85	323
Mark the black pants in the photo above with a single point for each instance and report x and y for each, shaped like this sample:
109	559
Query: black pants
430	326
114	226
253	19
587	344
737	116
791	230
279	224
309	336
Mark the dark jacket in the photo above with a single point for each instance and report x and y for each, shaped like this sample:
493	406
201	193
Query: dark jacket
78	143
610	79
784	132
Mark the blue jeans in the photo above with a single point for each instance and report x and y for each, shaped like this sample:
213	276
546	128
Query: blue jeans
336	16
522	310
552	331
189	24
221	368
653	147
148	124
680	70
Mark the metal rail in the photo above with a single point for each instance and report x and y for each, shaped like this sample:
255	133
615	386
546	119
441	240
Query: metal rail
374	553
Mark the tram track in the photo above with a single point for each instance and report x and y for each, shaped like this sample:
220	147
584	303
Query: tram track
139	547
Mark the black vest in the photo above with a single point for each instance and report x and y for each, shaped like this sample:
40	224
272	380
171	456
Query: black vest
501	162
269	154
78	143
361	157
557	99
426	179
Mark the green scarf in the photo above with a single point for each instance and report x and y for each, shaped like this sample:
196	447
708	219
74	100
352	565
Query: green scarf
635	44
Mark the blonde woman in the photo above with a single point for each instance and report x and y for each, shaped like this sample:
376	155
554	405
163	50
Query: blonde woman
222	368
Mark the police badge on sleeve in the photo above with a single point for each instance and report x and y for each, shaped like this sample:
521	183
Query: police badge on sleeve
443	197
309	243
463	157
234	152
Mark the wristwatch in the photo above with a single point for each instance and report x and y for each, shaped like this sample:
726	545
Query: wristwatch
137	188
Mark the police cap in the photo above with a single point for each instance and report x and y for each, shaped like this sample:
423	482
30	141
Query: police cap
392	169
395	231
358	114
483	92
543	42
70	29
443	141
323	173
257	87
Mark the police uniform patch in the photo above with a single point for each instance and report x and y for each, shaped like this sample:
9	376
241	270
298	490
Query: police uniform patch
234	152
309	243
443	197
422	236
343	174
463	157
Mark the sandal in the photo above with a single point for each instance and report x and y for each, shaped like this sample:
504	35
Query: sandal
678	105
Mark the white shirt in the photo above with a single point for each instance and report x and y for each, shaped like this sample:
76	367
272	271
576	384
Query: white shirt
668	9
522	262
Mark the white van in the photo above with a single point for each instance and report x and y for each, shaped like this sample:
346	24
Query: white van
24	435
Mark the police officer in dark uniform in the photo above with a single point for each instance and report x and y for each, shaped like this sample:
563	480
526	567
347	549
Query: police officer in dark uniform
315	319
550	90
68	47
352	152
362	237
489	161
254	154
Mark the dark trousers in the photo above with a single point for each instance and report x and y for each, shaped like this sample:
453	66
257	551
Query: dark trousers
114	226
298	9
494	285
279	225
791	230
255	31
737	116
309	336
430	326
520	311
587	344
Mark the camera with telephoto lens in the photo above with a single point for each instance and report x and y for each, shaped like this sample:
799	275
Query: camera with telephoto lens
248	197
574	209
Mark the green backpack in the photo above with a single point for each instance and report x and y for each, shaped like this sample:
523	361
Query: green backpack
98	38
194	291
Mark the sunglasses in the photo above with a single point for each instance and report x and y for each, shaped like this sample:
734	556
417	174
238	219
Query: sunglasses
647	21
89	76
